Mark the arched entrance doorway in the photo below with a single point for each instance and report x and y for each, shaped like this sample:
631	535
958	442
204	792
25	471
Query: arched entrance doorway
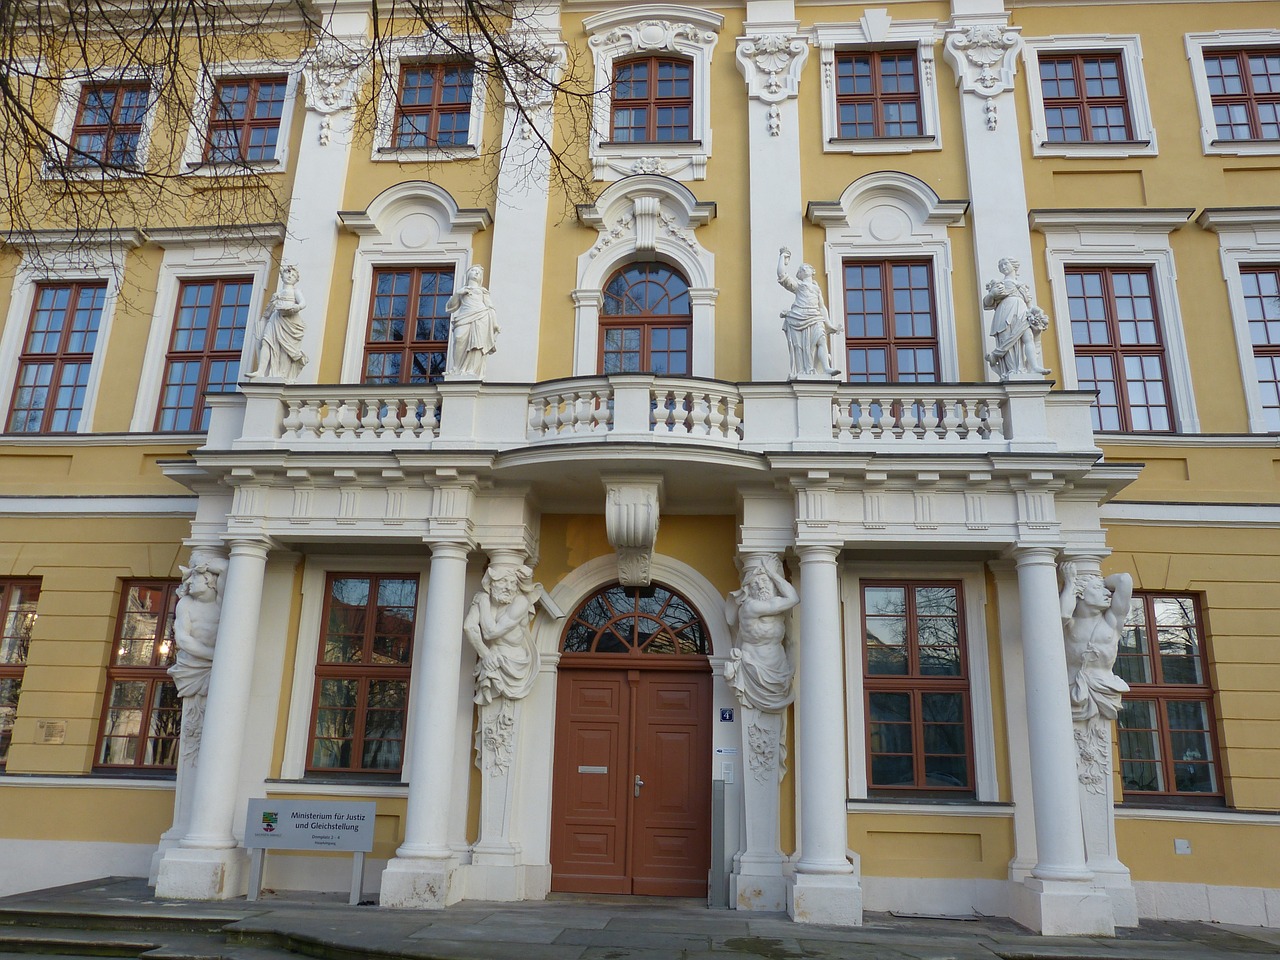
631	789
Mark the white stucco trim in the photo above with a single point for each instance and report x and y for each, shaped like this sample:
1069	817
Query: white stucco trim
974	598
109	506
890	215
103	261
1121	237
196	259
877	30
1197	45
1246	235
1192	514
1141	125
645	217
412	224
202	106
688	32
427	48
293	765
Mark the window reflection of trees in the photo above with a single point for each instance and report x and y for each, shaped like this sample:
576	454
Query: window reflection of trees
636	620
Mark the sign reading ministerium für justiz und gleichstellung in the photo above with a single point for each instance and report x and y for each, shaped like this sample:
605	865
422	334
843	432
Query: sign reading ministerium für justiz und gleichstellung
309	825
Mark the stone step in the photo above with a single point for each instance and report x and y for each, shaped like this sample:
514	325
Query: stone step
28	916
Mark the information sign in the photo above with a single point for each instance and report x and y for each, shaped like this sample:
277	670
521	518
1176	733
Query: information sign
310	825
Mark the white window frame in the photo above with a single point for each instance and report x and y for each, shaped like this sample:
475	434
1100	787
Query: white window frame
982	721
50	262
885	216
877	31
198	255
202	109
1246	235
64	121
617	35
413	224
1197	45
1142	127
1121	237
424	49
645	218
293	765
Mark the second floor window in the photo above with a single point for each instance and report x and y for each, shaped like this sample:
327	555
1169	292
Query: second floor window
877	94
141	714
204	350
17	616
652	101
917	689
646	322
1115	330
245	120
108	125
1167	742
1244	87
1262	310
433	105
407	340
890	321
1085	100
53	370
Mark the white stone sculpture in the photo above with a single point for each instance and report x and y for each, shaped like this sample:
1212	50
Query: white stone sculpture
195	625
280	332
1015	326
497	626
1093	615
758	670
806	322
473	327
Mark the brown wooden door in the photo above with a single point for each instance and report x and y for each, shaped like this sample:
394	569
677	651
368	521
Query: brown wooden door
612	727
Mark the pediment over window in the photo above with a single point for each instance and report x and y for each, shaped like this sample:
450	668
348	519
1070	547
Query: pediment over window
416	215
888	206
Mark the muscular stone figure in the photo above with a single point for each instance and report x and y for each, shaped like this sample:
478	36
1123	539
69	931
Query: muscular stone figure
758	669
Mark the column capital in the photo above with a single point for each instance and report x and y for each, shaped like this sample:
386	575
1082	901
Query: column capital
1034	554
240	545
818	552
449	550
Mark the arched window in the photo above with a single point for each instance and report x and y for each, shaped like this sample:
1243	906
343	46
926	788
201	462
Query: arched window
652	101
646	322
636	621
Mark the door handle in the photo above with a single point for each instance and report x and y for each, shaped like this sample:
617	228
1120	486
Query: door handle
639	784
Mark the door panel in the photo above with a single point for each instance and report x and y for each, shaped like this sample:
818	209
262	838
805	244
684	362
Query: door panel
589	806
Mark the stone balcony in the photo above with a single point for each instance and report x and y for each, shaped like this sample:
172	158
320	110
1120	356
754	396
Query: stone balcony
796	416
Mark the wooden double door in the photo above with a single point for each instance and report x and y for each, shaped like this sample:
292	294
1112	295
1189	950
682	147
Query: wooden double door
631	802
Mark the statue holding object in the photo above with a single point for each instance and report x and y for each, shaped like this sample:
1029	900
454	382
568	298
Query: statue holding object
807	323
1016	325
280	332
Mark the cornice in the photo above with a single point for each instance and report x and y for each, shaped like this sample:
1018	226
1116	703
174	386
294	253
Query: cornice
1215	218
200	236
1126	219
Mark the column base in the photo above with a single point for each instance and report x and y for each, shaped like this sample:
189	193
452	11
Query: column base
831	898
749	891
522	881
194	873
167	843
1059	908
421	884
1118	886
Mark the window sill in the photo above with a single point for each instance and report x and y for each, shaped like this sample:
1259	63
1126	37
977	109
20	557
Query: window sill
335	787
1242	148
1095	149
435	154
96	781
882	144
246	169
930	806
90	175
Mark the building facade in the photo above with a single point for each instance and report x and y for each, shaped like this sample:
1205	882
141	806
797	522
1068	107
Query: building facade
892	437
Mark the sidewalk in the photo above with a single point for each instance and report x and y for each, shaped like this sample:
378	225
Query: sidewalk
119	917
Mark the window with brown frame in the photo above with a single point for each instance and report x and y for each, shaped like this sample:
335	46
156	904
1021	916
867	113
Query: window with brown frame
1167	742
18	598
108	126
141	713
244	122
878	94
1244	87
204	350
1115	329
407	339
890	321
1261	284
652	101
53	370
919	738
646	321
1085	98
433	105
362	674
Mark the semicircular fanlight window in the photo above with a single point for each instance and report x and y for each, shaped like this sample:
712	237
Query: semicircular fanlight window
636	620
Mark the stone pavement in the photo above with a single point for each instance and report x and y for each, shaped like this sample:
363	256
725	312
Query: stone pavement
120	918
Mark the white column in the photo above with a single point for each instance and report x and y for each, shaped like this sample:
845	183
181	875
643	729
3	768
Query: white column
422	873
773	144
208	865
825	888
1064	902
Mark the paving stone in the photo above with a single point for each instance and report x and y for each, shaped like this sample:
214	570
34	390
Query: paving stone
489	933
636	939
